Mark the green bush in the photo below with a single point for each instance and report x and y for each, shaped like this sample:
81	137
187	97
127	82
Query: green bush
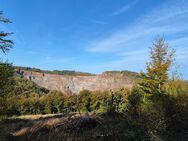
6	74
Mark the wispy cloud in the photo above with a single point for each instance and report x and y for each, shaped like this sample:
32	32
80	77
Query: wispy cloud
167	11
125	39
181	45
145	29
182	54
133	53
124	8
129	45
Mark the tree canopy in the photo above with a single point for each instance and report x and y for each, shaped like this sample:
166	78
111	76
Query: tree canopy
6	70
5	44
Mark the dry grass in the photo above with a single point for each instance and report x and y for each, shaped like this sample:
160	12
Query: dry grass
75	127
51	127
34	117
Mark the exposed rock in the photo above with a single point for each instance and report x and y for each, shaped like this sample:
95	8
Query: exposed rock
76	83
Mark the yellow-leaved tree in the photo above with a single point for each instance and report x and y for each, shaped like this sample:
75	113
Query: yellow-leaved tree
162	58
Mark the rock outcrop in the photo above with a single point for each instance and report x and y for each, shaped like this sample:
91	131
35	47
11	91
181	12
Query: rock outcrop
76	83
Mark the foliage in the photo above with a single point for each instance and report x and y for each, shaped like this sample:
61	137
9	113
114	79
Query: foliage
20	86
176	109
5	44
157	69
84	101
6	73
161	96
133	75
30	102
117	101
135	102
53	102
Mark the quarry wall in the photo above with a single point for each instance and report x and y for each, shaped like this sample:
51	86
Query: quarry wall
74	84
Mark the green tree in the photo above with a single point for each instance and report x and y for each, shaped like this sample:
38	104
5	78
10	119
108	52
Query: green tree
6	74
6	70
5	44
162	57
158	104
84	101
134	102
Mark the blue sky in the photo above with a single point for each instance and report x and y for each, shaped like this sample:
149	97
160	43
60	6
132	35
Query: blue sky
94	35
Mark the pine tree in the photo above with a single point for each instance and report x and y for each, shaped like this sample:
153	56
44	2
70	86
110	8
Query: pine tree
6	70
162	57
5	44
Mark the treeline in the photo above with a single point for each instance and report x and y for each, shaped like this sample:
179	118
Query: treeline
133	75
57	102
60	72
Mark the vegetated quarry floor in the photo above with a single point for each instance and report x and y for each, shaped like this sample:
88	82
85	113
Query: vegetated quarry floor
69	127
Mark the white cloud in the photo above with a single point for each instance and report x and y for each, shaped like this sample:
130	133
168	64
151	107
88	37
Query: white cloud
130	63
133	53
168	11
179	42
129	45
124	8
161	20
125	39
121	10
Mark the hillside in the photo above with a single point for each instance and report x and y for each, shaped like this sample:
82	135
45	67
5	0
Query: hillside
74	82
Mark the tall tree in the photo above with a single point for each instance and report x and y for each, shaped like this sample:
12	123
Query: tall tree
162	58
5	44
6	70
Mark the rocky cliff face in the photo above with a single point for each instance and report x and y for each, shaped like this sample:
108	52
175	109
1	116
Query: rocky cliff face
74	84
